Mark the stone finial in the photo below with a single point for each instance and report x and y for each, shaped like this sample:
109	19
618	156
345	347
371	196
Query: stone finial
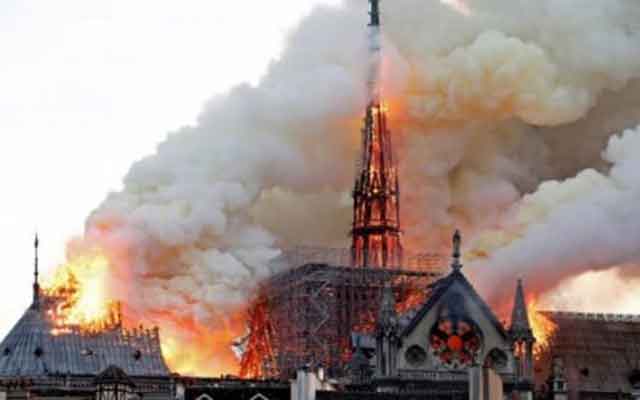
456	265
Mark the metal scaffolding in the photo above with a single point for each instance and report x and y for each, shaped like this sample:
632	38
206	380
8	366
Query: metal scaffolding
314	308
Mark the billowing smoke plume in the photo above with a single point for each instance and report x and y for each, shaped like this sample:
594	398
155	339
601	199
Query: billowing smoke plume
484	107
587	222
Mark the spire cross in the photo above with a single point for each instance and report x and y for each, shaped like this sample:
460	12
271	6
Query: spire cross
457	240
36	244
36	284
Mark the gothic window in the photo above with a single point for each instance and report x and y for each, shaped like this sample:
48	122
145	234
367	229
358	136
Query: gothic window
259	397
496	359
415	356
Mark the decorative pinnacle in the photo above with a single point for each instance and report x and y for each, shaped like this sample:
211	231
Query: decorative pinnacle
388	317
520	327
457	240
36	283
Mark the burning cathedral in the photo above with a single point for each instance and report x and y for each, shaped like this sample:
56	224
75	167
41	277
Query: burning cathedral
369	322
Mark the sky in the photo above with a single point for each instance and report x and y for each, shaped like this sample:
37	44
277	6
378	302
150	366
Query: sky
87	87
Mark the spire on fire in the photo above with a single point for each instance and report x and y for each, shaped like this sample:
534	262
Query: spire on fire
376	234
36	283
520	327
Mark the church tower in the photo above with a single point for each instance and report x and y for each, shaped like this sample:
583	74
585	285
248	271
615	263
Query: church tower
376	234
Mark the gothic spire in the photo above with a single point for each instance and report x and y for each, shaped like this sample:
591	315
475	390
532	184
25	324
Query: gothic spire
457	240
520	327
376	237
36	283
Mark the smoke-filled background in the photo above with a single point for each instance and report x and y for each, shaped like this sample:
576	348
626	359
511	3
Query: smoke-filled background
504	115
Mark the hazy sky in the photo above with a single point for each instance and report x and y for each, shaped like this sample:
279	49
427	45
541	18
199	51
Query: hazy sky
89	86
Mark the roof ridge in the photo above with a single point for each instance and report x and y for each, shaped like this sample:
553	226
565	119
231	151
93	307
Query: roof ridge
591	316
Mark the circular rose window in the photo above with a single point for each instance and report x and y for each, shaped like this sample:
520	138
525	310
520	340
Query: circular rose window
455	343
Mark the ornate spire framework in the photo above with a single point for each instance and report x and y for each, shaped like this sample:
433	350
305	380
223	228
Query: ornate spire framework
376	234
36	283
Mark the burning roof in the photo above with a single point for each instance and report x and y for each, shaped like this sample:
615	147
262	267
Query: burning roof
35	347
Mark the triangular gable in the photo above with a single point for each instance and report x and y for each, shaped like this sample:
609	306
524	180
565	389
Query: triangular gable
439	288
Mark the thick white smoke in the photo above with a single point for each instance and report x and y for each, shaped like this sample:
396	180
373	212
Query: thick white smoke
587	222
270	166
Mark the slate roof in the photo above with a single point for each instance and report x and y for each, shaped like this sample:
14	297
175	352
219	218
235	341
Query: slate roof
31	350
600	352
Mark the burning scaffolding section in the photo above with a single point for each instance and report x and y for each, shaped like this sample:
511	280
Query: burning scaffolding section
306	314
313	309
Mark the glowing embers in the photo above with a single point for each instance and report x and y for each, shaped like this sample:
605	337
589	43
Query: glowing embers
76	297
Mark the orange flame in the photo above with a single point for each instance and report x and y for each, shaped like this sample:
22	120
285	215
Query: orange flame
258	359
543	329
199	349
79	297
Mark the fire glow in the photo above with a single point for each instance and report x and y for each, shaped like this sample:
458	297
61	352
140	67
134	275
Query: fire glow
543	329
80	299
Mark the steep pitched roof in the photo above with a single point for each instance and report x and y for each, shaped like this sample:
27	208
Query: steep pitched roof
600	352
520	327
439	288
31	349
